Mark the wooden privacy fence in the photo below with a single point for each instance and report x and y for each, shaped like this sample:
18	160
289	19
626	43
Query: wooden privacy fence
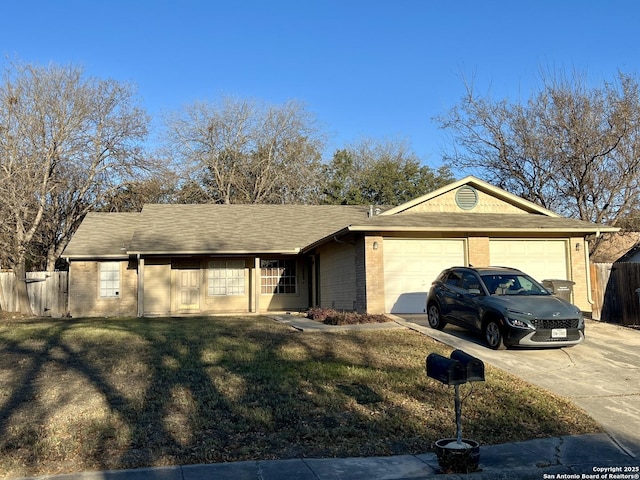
613	287
48	293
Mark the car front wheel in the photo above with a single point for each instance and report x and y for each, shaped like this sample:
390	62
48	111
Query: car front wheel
435	319
493	335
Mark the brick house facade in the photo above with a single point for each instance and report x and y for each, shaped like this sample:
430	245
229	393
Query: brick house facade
204	259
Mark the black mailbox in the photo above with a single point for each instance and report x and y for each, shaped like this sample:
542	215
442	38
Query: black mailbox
473	366
446	370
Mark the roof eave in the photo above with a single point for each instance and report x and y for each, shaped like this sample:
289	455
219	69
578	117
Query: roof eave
327	238
378	228
292	251
94	256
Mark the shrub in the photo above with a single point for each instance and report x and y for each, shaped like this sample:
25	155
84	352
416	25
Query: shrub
337	317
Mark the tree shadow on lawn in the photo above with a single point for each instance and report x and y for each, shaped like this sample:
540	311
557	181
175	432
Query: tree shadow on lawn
109	394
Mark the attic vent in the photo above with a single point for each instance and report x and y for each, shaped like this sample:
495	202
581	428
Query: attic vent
466	197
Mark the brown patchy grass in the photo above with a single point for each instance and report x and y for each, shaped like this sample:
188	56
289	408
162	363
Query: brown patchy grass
123	393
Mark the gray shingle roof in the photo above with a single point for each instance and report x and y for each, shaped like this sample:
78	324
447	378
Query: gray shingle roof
238	228
212	228
103	235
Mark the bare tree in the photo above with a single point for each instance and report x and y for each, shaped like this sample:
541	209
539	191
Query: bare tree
243	151
570	148
65	143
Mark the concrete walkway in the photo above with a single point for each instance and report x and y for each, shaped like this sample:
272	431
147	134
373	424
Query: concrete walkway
537	459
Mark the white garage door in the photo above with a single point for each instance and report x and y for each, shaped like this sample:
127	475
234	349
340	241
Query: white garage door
542	259
410	265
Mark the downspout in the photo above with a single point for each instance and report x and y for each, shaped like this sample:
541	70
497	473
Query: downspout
587	263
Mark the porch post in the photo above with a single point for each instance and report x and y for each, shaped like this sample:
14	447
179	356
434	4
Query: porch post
140	286
256	285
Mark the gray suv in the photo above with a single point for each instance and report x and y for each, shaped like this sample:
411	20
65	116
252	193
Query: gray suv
506	305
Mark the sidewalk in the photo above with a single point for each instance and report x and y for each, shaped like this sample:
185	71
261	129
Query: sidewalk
546	458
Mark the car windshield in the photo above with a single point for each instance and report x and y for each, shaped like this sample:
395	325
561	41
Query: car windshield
512	284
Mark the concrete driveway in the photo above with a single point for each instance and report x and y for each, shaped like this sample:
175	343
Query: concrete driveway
601	375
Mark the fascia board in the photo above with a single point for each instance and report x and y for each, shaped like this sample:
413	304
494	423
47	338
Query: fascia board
293	251
96	257
372	228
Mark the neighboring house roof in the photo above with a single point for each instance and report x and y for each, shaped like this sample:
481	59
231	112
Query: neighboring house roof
632	256
103	235
616	247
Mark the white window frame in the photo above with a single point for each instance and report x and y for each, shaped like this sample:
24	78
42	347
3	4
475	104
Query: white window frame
109	279
226	278
278	277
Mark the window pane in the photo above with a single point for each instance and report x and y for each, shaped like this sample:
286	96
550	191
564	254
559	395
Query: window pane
109	279
226	277
278	276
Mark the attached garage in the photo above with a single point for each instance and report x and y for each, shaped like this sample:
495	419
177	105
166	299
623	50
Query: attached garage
410	265
542	259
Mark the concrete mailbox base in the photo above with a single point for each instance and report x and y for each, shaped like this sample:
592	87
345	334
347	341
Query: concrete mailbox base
454	457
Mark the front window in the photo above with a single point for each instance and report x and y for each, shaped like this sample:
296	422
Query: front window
225	277
278	276
109	279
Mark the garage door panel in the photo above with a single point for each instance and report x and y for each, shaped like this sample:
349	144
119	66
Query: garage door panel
410	265
542	259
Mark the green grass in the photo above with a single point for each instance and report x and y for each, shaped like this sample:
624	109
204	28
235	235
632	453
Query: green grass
121	393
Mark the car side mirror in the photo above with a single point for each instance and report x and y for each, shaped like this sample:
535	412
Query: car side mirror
474	291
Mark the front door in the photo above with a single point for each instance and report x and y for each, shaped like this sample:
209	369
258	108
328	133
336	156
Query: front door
189	289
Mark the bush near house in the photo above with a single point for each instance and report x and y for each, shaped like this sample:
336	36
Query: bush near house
330	316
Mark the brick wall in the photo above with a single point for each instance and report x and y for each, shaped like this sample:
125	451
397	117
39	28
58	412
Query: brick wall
579	272
84	292
478	248
373	252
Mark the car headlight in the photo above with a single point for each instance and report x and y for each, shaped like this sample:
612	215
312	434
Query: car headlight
519	319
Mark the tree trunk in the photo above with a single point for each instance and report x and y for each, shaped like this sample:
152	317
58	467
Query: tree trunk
51	258
21	288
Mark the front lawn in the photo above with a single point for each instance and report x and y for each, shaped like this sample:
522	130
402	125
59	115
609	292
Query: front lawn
93	394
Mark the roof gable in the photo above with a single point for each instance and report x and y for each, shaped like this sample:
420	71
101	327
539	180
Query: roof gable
457	198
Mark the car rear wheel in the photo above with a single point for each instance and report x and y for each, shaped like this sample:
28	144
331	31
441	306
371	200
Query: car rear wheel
435	319
493	335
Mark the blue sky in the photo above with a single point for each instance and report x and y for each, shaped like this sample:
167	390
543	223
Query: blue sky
377	69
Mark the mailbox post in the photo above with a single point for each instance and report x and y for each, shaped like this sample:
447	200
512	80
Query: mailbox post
460	368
